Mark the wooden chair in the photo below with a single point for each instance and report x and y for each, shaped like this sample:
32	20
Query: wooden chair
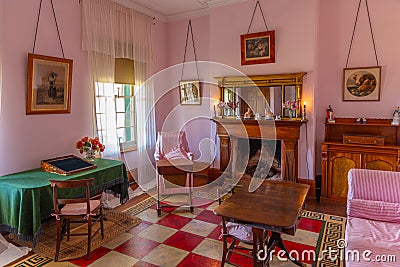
238	234
76	210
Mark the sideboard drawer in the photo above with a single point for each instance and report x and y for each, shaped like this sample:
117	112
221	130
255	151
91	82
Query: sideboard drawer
374	140
363	139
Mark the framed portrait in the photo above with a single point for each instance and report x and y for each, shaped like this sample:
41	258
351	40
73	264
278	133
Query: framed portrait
257	48
49	85
189	92
362	84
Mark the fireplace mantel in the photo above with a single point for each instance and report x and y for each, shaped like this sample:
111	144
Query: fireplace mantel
288	131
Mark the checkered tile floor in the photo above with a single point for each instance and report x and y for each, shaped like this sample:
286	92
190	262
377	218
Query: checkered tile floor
181	238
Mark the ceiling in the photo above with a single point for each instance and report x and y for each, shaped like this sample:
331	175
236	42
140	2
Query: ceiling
180	9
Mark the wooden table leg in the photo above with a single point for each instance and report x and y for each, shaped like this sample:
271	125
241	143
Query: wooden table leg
225	242
276	241
189	176
258	244
158	195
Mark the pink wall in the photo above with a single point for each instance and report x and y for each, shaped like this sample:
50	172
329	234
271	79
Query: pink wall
167	91
160	63
176	32
218	36
27	139
293	22
295	52
311	36
159	45
336	20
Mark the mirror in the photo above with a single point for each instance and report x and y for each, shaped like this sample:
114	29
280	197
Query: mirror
258	98
261	93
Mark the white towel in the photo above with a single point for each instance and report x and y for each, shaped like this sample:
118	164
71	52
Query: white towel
110	201
9	252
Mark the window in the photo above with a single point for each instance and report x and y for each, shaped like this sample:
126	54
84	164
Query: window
116	115
125	109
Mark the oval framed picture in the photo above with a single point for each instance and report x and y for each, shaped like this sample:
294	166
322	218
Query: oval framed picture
362	84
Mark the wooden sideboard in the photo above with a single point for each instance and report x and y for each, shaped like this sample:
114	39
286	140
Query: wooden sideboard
357	145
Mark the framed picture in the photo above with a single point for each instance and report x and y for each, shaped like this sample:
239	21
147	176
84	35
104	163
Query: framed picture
258	48
189	92
49	85
362	84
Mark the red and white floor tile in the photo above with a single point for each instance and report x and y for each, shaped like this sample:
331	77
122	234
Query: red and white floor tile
181	238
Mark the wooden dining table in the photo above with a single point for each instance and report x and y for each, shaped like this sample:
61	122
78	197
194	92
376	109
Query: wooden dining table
275	206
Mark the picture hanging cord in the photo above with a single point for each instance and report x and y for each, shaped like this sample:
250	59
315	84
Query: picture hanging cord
252	17
354	29
37	26
189	28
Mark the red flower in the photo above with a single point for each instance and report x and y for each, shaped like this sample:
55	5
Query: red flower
87	143
79	144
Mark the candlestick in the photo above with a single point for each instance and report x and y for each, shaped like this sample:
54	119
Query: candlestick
304	117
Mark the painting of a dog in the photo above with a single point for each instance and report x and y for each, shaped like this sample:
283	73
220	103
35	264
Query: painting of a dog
362	84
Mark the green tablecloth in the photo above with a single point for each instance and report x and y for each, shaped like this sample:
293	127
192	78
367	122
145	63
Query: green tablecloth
26	197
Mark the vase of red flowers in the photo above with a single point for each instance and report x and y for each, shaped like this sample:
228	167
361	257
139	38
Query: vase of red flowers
90	146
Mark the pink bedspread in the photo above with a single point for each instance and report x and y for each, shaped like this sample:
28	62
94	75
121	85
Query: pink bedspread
373	224
379	242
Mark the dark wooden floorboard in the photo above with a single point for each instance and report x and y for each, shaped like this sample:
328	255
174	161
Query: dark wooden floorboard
326	206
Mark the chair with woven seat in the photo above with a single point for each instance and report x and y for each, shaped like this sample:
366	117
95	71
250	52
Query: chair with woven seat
75	210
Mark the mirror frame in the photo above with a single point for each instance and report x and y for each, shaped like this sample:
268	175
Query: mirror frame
282	80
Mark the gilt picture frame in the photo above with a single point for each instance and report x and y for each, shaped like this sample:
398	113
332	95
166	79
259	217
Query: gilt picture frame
257	48
190	93
362	84
49	85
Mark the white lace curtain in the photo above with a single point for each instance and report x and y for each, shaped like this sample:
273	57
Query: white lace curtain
111	31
